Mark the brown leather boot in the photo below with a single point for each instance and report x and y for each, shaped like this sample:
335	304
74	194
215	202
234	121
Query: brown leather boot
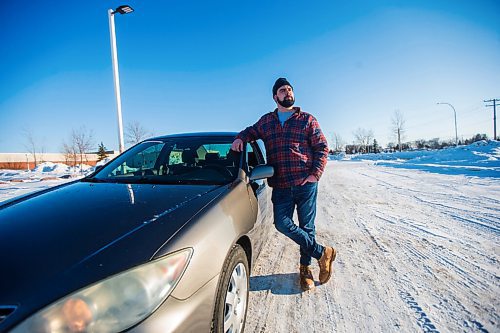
306	278
325	264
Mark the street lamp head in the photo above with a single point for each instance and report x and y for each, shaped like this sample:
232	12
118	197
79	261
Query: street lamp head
124	9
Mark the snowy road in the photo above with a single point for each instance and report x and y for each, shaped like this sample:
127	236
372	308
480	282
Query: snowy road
417	252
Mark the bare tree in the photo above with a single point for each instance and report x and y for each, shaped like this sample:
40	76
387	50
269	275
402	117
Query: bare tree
338	142
363	138
398	127
31	144
70	155
82	140
41	157
135	133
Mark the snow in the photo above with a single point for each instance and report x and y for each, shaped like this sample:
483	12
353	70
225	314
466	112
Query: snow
104	161
417	251
59	168
480	159
417	235
44	170
14	183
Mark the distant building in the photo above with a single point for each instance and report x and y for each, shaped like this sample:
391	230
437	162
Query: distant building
20	161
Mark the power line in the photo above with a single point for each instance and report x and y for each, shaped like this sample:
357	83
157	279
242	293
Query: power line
470	111
494	105
419	125
479	122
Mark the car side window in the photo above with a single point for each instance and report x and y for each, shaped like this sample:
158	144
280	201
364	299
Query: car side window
260	151
252	161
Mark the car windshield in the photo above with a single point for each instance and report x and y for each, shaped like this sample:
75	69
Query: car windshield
174	160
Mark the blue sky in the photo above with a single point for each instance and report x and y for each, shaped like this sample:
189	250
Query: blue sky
210	66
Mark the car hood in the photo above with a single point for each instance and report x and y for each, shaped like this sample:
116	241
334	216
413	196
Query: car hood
74	235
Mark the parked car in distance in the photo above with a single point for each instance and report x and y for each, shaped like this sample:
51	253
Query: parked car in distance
160	239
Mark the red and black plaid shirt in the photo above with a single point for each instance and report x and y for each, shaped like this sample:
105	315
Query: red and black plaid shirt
295	150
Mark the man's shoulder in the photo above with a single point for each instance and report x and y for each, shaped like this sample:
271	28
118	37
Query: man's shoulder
305	115
268	116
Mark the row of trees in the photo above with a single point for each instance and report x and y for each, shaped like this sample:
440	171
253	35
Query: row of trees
81	142
365	142
373	147
437	143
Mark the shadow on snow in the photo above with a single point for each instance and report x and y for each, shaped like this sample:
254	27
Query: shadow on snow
278	284
493	172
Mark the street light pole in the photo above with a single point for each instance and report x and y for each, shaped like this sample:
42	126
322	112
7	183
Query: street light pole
114	57
455	112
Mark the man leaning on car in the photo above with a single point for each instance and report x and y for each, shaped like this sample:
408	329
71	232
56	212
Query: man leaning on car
297	149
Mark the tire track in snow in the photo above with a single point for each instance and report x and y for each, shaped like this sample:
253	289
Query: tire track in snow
422	319
473	268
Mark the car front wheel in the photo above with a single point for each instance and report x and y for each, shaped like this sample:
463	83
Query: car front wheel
232	295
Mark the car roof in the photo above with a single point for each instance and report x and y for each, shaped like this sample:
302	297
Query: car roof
195	134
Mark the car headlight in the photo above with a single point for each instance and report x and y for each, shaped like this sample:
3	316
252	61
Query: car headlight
114	304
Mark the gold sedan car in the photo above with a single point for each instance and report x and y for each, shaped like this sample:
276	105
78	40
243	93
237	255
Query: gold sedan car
160	239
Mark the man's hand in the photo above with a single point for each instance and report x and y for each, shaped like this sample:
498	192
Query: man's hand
309	179
237	145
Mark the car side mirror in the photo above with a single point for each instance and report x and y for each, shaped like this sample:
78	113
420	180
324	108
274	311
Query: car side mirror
261	172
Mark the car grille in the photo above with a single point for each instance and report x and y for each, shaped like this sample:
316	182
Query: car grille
5	311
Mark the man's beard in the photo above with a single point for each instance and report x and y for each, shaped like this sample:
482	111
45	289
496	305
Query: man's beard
286	102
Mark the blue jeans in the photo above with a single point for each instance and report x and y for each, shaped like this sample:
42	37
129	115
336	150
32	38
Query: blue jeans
284	202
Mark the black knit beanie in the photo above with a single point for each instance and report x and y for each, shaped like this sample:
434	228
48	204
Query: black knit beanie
279	83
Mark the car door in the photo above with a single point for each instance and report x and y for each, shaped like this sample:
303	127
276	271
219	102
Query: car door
260	196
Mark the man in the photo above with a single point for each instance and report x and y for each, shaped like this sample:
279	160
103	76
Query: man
297	149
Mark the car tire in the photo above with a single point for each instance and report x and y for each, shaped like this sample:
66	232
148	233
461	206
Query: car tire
231	302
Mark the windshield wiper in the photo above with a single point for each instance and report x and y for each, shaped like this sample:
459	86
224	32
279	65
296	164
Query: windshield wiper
143	180
94	180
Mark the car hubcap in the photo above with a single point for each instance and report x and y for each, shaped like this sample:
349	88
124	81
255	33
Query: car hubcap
236	300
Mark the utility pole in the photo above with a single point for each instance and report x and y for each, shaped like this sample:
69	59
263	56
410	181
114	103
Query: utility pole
494	105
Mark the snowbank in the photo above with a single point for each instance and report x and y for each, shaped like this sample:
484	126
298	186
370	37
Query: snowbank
44	171
53	168
481	159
